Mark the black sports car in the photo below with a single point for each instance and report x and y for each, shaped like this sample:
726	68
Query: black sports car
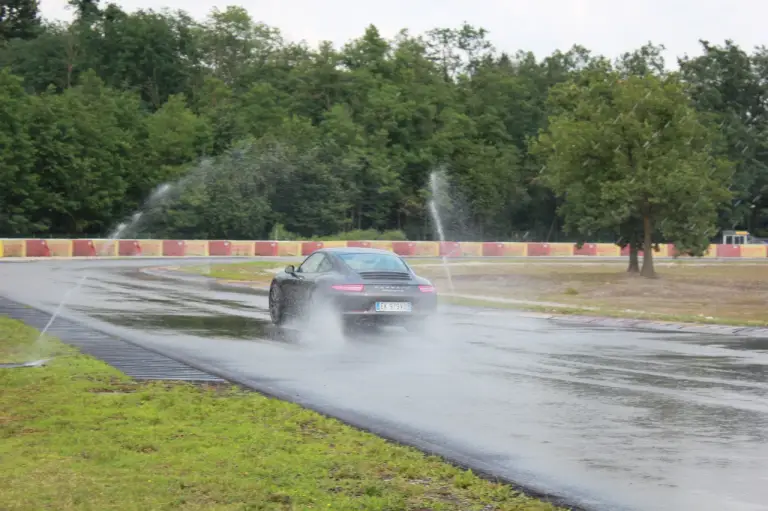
362	284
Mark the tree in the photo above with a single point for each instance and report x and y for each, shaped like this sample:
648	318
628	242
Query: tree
103	109
20	193
634	148
19	19
732	87
86	140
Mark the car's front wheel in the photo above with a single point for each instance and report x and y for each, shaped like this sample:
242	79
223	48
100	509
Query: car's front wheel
276	305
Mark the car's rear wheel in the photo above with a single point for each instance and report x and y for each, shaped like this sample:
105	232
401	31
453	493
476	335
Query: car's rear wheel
276	305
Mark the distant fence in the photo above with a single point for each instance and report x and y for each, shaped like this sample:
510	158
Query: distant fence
239	248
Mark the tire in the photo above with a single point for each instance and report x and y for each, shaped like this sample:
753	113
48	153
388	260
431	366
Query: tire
276	305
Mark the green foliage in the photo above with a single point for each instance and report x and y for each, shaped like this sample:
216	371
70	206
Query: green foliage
623	149
270	138
19	19
365	235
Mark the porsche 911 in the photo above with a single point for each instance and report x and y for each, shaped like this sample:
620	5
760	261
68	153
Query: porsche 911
362	285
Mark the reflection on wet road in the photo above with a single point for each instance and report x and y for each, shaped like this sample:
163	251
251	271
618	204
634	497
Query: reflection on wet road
613	419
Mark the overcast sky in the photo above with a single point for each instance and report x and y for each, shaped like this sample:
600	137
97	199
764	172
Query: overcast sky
609	27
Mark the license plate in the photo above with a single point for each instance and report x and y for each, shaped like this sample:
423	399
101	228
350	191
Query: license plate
393	307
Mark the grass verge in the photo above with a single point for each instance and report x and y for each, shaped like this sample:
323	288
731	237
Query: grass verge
253	271
78	434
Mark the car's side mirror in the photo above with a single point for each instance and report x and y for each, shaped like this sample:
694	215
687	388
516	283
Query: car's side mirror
290	269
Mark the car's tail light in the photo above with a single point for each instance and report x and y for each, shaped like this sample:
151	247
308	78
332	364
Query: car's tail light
427	289
349	287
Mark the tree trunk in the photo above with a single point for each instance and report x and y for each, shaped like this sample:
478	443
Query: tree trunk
634	260
647	270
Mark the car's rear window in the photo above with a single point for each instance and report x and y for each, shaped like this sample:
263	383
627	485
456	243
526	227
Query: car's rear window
373	262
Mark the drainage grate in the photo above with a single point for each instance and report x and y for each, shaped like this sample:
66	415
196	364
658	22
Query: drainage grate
135	361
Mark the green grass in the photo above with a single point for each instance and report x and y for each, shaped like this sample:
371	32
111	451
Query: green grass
78	434
256	271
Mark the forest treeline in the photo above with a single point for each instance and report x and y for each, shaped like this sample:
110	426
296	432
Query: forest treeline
265	134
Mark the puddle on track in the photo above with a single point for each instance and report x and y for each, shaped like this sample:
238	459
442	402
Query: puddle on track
212	326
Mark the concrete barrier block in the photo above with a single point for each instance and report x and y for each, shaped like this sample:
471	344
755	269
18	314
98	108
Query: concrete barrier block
449	249
243	248
754	251
15	248
382	245
220	248
471	249
493	249
37	248
404	248
60	248
288	248
587	249
538	249
608	250
515	249
152	248
266	248
198	248
174	248
426	248
561	249
729	250
83	248
129	248
307	247
106	248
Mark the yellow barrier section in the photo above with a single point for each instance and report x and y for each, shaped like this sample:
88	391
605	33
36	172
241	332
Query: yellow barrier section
60	248
561	249
471	249
382	245
196	248
607	250
106	247
1	248
754	251
15	248
151	248
243	248
289	248
515	249
202	248
663	251
426	248
710	253
334	244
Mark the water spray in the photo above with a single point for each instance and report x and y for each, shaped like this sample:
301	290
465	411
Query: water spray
435	213
113	238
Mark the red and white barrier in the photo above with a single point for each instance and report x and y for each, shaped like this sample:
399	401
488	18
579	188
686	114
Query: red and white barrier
41	248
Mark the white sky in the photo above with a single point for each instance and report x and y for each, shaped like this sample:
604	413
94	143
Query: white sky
608	27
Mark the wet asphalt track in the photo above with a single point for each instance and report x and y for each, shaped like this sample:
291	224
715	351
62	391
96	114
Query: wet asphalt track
609	419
